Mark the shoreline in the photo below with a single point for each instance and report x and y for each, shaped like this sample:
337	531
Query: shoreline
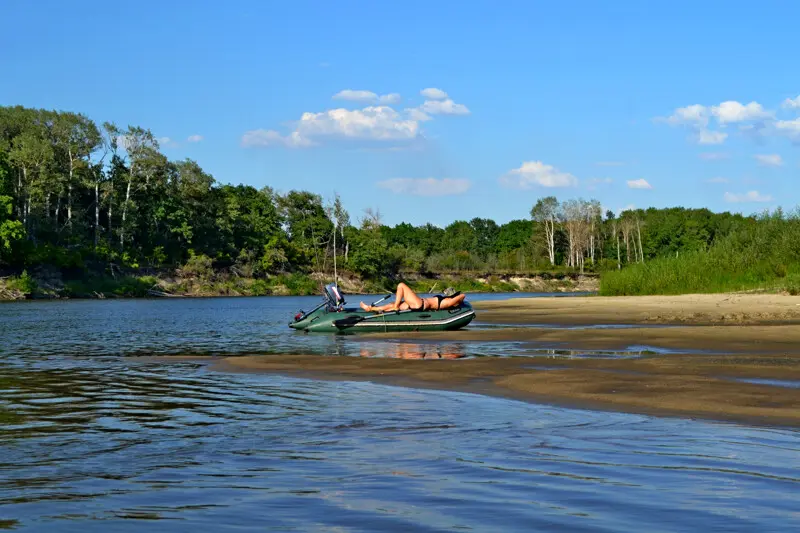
135	286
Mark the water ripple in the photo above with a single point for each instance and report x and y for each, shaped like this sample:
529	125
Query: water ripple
91	441
112	444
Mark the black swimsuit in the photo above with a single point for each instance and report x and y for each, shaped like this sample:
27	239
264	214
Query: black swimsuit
439	299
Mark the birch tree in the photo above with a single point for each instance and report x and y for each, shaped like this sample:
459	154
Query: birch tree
140	146
546	213
31	153
76	137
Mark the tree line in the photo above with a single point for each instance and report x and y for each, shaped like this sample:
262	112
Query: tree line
77	196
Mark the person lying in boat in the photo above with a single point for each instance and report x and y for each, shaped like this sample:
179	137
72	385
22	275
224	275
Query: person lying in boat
408	299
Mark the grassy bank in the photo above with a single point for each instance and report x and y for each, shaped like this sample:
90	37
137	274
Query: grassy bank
765	256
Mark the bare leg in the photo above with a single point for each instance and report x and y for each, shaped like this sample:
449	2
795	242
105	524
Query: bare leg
405	294
381	308
404	299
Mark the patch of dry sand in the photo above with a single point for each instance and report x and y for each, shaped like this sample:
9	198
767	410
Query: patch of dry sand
696	309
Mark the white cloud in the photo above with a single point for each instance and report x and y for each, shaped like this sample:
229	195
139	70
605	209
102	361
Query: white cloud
443	107
641	183
533	173
792	103
356	96
375	122
769	160
718	180
426	186
694	114
391	98
732	111
367	97
751	118
432	93
713	156
711	137
194	138
750	196
263	138
163	141
378	123
415	113
789	127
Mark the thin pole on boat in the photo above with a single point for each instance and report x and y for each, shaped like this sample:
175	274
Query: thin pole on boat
335	274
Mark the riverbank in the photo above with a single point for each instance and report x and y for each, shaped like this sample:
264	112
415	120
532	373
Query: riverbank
49	284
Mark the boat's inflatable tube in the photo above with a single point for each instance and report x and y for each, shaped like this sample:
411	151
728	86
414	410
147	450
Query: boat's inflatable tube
332	317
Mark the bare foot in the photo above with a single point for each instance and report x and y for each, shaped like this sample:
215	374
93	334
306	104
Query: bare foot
365	307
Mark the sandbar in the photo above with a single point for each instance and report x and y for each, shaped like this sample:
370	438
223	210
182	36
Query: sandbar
678	385
712	346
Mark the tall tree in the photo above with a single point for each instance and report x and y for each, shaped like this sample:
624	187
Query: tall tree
546	212
32	154
142	150
76	137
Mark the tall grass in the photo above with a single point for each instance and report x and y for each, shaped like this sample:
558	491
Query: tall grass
763	255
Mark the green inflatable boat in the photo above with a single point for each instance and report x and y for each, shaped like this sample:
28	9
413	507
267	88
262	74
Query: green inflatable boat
331	316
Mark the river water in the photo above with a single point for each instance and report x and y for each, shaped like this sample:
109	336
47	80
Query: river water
92	439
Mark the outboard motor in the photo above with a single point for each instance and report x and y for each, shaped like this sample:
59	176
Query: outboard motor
332	302
334	296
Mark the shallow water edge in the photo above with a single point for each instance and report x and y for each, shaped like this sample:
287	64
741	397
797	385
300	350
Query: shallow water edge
644	386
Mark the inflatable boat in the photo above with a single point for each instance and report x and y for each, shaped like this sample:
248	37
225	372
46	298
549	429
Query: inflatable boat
331	316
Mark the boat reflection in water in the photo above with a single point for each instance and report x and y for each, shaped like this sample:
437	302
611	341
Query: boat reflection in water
413	351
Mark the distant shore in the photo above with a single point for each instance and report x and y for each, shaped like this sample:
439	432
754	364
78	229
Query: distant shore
721	357
50	285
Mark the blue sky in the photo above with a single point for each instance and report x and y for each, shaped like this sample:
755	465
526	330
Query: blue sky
633	103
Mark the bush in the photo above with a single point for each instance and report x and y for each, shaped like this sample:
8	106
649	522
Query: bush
198	266
761	256
24	283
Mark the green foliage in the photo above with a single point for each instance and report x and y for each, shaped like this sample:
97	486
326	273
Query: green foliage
63	206
24	283
11	231
297	284
126	286
370	256
198	266
765	256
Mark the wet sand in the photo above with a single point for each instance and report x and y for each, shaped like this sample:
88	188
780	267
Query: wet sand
698	386
686	339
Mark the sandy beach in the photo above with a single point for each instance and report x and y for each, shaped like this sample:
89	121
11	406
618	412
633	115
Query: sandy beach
690	309
719	349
